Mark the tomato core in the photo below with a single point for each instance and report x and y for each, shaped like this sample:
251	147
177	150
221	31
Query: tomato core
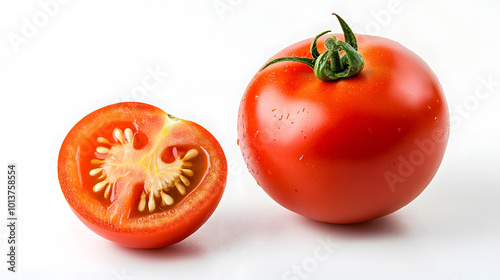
161	178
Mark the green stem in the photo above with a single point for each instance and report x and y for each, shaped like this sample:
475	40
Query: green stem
348	34
330	65
314	47
309	62
335	64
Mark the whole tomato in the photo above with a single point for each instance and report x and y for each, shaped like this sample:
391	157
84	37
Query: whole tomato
344	132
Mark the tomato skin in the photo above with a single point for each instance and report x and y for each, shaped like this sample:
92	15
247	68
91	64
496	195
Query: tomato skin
156	229
346	151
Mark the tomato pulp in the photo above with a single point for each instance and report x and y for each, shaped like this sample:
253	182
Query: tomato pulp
140	177
349	150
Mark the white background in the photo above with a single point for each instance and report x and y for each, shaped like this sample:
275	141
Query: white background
82	55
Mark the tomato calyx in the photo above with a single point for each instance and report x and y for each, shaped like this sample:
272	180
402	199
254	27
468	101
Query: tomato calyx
331	65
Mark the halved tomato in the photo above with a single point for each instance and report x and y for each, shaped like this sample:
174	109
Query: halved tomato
139	176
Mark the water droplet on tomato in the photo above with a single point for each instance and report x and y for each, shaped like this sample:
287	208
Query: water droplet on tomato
301	157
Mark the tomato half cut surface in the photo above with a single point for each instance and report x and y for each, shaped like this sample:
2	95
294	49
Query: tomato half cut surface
139	176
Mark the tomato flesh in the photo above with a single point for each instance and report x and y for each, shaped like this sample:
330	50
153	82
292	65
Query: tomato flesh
140	177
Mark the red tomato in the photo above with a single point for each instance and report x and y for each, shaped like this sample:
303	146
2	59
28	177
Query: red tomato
349	150
140	177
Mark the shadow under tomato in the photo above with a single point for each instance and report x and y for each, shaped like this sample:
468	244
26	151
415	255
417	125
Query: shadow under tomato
181	250
240	230
390	226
